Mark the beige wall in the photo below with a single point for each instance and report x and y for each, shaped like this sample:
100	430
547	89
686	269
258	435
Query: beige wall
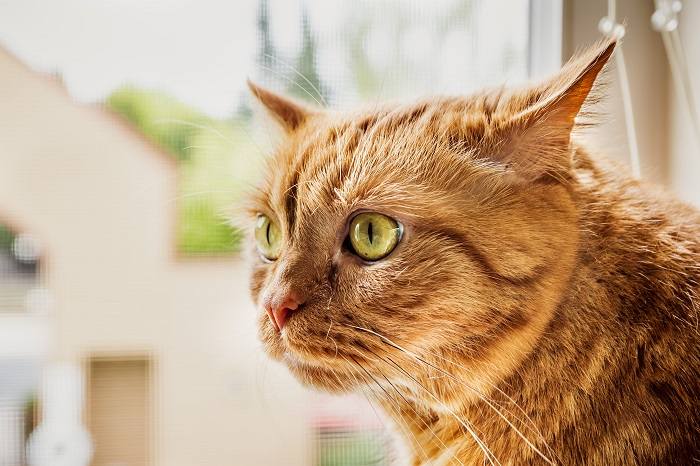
669	150
648	76
684	171
102	201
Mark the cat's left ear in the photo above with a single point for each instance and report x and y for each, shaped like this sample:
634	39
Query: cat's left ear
536	138
287	113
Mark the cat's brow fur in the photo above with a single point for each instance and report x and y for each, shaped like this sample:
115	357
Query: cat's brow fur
541	307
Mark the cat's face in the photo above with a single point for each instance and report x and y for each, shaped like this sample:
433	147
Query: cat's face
392	243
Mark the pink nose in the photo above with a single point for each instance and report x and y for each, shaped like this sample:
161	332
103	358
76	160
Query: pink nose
279	310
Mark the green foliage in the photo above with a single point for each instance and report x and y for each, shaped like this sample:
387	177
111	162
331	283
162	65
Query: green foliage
210	160
361	448
203	230
211	181
30	415
160	117
6	238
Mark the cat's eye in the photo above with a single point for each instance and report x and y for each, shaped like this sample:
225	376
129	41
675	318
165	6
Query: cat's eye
268	237
373	236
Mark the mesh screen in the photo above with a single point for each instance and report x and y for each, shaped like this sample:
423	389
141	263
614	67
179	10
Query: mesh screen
128	140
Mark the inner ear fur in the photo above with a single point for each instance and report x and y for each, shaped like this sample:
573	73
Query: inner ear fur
534	141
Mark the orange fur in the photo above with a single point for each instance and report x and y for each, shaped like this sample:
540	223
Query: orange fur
541	306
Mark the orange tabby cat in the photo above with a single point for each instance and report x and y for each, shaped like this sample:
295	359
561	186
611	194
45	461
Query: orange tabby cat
506	296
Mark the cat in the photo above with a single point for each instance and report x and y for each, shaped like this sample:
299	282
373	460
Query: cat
506	296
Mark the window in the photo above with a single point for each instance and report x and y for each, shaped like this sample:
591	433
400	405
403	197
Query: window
344	53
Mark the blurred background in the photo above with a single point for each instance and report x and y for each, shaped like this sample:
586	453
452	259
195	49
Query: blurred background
127	138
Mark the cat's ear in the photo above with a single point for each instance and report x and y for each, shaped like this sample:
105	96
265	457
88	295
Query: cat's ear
537	136
287	113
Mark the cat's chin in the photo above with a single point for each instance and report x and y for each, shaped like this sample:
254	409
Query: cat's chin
320	377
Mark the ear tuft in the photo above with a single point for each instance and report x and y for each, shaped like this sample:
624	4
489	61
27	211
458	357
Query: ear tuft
537	137
287	112
573	85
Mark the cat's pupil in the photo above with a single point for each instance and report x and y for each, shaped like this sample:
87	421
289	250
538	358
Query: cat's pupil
267	233
369	231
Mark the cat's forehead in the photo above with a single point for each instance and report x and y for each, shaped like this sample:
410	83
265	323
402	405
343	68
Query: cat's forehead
388	159
341	160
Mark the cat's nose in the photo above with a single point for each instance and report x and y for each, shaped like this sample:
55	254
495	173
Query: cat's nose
281	308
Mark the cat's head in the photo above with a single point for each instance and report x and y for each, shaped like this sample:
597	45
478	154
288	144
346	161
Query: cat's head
405	240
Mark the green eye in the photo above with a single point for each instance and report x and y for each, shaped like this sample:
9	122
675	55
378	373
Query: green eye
373	236
268	237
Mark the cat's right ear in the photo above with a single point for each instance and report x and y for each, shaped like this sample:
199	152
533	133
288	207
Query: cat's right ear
288	114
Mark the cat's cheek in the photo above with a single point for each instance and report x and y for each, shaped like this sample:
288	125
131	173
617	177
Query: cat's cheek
257	280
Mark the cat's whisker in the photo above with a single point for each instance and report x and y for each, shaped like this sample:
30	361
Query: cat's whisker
405	426
200	193
490	403
296	186
460	366
329	329
368	387
371	404
418	416
397	409
198	146
332	339
467	425
497	407
340	195
487	452
300	74
195	125
290	81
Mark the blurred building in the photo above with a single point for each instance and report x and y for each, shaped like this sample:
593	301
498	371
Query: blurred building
90	276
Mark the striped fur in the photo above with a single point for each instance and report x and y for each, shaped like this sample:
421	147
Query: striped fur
541	307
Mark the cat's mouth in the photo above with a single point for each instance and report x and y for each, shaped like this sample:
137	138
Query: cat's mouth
296	345
312	358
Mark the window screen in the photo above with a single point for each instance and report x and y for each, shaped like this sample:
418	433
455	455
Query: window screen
174	71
